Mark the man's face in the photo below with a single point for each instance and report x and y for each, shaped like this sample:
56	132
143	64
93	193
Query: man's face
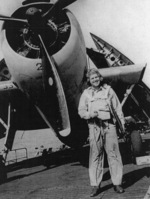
94	80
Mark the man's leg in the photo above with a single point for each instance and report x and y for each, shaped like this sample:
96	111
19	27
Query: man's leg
96	156
114	157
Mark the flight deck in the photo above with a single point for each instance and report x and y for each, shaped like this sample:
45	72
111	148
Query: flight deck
66	177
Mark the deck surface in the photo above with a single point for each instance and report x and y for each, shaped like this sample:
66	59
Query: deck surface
67	178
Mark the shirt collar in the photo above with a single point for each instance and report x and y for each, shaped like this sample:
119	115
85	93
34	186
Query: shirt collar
96	90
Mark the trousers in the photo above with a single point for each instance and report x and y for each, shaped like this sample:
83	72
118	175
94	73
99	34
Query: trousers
104	137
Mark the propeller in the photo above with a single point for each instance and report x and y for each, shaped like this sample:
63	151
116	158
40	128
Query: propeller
59	91
6	18
59	4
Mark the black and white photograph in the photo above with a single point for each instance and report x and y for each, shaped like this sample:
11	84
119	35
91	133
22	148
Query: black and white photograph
74	99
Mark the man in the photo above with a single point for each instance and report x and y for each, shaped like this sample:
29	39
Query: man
96	105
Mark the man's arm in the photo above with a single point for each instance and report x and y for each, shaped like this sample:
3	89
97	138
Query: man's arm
83	107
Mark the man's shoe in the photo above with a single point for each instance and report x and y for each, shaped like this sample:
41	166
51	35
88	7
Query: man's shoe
95	191
118	189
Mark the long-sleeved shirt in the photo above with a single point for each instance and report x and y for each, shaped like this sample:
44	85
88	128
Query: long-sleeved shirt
104	92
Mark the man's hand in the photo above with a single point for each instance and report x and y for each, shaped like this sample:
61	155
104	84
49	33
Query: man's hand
94	114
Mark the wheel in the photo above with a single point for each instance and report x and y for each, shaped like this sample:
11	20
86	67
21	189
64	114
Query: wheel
136	143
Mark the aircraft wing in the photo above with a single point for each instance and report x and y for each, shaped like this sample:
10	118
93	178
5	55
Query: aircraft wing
130	74
7	86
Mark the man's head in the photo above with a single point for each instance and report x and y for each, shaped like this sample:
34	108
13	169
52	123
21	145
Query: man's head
94	78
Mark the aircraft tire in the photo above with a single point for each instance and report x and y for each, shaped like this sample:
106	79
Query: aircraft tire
136	143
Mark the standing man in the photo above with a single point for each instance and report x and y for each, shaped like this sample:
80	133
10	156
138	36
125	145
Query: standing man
96	104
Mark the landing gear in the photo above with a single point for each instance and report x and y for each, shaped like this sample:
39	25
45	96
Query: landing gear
136	143
134	139
8	142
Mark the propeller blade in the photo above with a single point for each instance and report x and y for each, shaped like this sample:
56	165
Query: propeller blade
6	18
59	4
60	93
25	2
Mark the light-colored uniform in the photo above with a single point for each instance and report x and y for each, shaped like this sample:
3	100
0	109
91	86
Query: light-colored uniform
102	132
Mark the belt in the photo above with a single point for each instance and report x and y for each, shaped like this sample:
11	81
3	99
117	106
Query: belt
109	121
96	120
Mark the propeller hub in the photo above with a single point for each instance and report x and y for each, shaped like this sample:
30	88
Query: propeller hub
34	17
40	25
33	11
28	23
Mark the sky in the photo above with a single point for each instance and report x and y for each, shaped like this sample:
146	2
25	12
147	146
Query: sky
125	24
